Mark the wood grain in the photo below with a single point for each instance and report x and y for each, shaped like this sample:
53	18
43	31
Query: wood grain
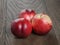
1	23
11	8
54	10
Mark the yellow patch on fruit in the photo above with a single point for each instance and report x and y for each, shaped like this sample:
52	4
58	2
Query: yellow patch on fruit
42	16
37	17
47	18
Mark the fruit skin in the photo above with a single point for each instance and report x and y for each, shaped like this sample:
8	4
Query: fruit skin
42	24
21	28
27	14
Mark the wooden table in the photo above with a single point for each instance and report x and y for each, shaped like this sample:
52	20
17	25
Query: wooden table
9	10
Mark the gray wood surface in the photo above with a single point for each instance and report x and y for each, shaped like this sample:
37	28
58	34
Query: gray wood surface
9	10
53	7
1	23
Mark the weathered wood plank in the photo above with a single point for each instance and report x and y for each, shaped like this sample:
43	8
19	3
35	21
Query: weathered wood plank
54	11
11	10
1	23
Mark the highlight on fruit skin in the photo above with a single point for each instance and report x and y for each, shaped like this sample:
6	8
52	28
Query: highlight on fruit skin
42	24
27	14
21	28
